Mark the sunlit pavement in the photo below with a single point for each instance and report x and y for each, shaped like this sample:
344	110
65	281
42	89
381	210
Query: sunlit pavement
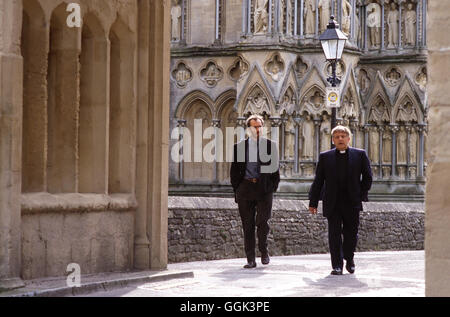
386	274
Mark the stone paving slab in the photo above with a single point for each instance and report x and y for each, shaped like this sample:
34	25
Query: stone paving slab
385	274
57	287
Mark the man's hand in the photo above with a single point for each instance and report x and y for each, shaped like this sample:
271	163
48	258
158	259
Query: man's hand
313	210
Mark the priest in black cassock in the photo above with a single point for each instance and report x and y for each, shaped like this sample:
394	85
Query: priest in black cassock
343	180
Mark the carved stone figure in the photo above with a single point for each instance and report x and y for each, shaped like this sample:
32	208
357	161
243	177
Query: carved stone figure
406	113
410	25
346	16
310	16
379	113
308	138
387	146
374	149
175	13
211	74
325	133
413	147
261	16
374	25
402	145
182	75
324	14
288	104
257	104
289	139
364	81
392	22
275	67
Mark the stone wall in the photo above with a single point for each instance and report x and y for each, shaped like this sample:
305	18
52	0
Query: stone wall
94	231
210	228
437	199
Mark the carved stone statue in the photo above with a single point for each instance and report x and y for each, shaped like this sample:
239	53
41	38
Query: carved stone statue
374	149
261	17
257	104
402	145
410	25
374	25
406	113
387	146
325	133
379	113
346	16
310	16
392	22
308	138
324	14
176	21
289	139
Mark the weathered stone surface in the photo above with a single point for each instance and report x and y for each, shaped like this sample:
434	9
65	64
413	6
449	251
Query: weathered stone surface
97	241
215	232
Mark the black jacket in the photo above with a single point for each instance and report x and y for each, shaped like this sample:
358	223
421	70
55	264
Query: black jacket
359	180
269	181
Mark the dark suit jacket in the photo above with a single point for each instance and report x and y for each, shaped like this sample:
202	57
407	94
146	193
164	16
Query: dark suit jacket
269	181
359	178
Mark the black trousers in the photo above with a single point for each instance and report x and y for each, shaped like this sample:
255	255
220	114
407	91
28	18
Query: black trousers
343	226
255	209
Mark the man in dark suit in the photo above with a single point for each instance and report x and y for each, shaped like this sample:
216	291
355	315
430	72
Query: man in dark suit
343	177
255	177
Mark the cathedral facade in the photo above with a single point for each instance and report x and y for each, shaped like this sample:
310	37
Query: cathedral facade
238	57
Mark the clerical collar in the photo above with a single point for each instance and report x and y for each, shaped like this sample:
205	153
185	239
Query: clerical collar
341	152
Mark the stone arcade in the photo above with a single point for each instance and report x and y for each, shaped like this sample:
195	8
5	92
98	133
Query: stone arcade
82	110
74	188
264	57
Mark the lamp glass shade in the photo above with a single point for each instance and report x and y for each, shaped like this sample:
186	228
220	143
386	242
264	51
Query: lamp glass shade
333	48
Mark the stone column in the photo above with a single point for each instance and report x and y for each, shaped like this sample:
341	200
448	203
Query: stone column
249	15
424	23
297	121
141	241
394	130
158	132
317	123
216	124
400	44
302	6
382	27
11	100
437	217
183	23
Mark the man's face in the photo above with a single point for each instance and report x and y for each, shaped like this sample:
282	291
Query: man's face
341	140
256	128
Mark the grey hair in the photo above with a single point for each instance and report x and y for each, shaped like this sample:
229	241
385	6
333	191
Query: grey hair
254	117
341	128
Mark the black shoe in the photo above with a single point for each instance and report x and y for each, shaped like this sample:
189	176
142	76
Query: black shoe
265	259
336	271
250	265
350	266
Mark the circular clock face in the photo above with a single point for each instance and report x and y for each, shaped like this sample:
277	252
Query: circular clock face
332	97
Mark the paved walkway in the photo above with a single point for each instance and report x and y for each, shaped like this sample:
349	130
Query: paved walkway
387	274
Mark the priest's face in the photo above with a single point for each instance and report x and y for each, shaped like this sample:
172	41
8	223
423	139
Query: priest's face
341	140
